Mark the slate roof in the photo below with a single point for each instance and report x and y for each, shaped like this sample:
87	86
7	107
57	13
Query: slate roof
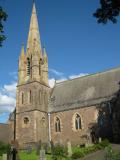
85	91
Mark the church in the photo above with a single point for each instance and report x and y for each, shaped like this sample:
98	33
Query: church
80	110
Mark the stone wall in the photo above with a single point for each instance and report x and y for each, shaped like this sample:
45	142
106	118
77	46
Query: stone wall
34	107
68	131
6	133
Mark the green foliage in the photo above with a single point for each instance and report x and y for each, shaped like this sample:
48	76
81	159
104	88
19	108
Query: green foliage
108	11
32	156
78	154
59	152
24	156
111	155
104	143
4	148
81	152
3	17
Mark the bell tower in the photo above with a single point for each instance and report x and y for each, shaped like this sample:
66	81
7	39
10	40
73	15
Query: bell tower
32	89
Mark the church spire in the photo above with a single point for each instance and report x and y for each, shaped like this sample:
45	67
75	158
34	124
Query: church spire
34	43
22	55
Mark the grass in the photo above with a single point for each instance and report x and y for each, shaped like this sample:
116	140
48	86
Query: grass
49	157
77	152
25	156
0	158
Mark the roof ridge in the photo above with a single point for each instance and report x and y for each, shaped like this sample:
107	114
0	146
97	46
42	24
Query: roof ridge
88	75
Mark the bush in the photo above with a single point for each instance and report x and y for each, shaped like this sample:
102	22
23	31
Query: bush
58	152
4	148
78	154
104	143
81	152
111	155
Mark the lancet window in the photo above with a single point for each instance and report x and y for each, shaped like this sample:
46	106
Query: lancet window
78	122
57	125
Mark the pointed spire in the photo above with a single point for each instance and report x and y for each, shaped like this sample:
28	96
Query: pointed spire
44	52
34	36
22	55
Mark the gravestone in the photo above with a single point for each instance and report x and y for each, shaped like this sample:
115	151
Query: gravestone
42	154
4	157
52	147
100	139
28	149
69	148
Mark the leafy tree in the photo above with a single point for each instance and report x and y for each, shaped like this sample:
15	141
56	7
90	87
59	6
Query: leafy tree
108	11
3	17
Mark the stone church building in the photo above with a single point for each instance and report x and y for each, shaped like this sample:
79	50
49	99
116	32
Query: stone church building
79	110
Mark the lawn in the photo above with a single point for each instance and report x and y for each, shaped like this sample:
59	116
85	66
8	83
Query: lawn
25	156
61	154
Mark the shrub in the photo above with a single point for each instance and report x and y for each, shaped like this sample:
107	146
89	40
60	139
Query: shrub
81	152
58	152
78	154
104	143
4	148
111	155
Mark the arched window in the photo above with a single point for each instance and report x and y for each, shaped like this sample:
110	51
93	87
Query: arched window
57	125
28	66
78	122
26	120
22	98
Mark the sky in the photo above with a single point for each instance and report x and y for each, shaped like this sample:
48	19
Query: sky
76	44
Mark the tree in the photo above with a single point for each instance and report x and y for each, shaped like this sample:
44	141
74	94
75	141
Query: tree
108	11
3	17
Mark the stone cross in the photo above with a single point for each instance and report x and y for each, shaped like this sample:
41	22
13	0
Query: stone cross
69	148
42	154
4	157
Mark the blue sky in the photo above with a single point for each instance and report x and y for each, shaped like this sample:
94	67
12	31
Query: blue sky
75	43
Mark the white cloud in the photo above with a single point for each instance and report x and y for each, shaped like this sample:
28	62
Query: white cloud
51	82
11	88
7	97
57	73
61	80
78	75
